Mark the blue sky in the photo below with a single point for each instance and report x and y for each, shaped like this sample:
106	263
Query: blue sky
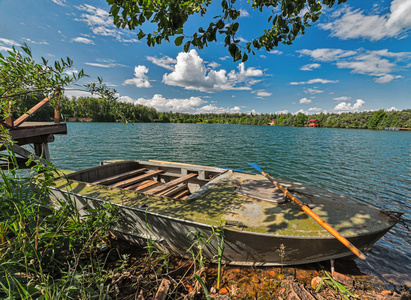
357	57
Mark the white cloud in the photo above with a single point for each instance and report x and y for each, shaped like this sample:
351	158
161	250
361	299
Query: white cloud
72	71
310	67
351	24
378	63
305	101
278	52
165	62
281	112
101	23
140	79
263	94
161	103
4	43
386	78
342	98
27	40
3	48
211	108
327	54
60	2
103	63
313	91
83	40
225	57
191	73
348	107
213	65
314	81
392	109
244	13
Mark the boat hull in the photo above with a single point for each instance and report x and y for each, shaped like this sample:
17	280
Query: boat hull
140	225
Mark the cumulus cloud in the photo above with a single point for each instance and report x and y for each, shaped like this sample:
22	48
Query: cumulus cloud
348	107
212	108
191	73
351	23
193	105
213	65
314	81
83	40
305	101
165	62
310	67
377	63
342	98
392	109
281	112
160	103
140	79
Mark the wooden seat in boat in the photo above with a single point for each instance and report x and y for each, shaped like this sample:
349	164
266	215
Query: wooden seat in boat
118	177
173	183
131	181
141	186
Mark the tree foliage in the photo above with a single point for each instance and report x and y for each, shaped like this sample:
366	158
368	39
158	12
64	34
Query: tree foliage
287	19
97	109
23	82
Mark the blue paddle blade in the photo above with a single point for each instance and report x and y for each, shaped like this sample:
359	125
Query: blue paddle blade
255	166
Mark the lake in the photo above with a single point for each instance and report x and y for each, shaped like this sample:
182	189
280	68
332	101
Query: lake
371	166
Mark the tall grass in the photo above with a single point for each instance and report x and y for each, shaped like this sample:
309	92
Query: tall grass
47	250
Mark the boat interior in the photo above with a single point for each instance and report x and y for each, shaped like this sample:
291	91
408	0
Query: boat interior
178	181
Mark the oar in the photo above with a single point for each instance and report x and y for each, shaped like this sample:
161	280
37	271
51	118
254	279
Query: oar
312	214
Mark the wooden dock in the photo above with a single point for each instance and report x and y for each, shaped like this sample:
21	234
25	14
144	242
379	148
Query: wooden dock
39	134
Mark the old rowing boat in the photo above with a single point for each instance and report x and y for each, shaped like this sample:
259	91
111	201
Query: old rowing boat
167	202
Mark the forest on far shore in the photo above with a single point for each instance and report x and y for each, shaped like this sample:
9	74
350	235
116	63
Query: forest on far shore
98	110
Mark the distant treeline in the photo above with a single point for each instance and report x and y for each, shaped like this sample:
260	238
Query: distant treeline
99	110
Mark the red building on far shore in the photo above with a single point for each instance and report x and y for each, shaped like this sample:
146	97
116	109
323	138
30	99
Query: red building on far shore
314	123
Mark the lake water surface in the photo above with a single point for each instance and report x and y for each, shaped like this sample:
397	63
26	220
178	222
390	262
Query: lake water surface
370	166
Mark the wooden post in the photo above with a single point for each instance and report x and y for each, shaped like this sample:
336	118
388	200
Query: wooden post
57	113
9	120
42	150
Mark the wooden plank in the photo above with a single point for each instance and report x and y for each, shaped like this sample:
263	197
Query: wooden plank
182	194
33	110
133	180
36	130
132	187
152	184
171	183
118	177
144	185
173	190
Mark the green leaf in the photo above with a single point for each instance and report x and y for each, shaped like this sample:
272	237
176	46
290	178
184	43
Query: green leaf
179	40
187	46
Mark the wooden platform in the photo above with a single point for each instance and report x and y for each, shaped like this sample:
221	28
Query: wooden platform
35	132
